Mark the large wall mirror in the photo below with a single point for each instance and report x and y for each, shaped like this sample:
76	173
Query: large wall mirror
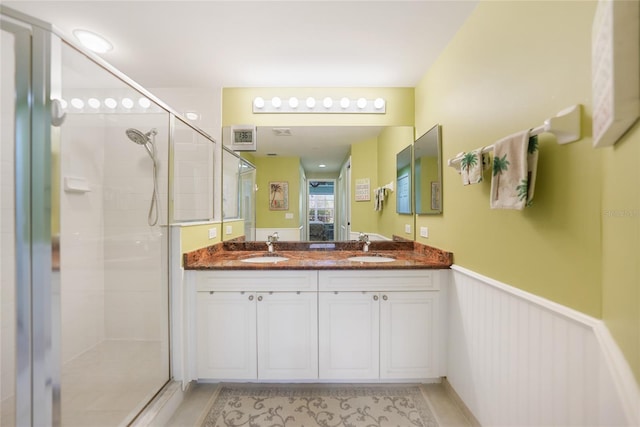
428	172
309	178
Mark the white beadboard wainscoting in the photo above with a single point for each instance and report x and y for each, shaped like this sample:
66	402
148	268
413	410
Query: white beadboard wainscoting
516	359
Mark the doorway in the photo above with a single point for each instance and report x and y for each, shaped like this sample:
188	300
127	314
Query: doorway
321	209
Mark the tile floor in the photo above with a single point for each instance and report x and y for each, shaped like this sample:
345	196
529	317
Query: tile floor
447	413
109	384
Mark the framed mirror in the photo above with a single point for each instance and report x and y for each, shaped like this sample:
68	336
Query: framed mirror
403	181
427	169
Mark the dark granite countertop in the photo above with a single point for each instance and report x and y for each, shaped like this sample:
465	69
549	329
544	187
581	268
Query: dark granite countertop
317	256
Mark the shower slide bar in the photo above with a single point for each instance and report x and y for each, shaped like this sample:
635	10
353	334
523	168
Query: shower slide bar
565	126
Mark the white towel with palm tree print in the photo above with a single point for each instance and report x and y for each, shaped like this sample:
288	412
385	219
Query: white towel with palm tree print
471	167
515	161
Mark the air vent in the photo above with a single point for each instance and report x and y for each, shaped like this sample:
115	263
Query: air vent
282	131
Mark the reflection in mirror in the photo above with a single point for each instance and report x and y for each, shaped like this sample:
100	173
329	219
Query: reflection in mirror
403	181
301	155
428	172
238	194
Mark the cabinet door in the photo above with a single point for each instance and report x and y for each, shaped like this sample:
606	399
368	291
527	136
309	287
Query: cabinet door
226	329
349	335
408	335
287	335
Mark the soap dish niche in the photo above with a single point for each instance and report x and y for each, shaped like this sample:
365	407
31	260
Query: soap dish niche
74	184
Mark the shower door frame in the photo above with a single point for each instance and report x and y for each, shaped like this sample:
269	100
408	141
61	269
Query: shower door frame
37	393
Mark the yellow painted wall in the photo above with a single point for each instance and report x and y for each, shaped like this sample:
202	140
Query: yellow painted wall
512	65
364	160
194	237
277	169
621	244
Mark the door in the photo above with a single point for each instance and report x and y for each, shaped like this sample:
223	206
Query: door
349	335
226	331
408	322
343	203
288	335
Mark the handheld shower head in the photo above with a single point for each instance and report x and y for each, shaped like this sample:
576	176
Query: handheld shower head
142	139
138	137
145	140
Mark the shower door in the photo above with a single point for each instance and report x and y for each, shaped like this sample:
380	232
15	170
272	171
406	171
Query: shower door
111	180
84	318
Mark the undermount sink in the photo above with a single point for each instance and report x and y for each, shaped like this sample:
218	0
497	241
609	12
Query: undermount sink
264	259
371	258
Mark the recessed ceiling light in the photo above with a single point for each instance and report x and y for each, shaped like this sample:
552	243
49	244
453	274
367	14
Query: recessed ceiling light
322	165
93	41
192	115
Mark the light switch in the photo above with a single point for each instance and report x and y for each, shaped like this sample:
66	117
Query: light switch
424	232
407	228
213	233
288	215
229	229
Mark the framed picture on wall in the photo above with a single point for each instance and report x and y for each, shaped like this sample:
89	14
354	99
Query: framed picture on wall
278	195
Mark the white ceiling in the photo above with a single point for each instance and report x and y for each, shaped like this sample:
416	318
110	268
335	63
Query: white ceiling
213	44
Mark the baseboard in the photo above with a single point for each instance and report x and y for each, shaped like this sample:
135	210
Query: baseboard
459	403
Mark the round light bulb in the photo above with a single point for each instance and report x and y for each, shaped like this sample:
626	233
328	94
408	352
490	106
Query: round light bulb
144	103
293	102
93	41
344	102
191	115
327	102
311	102
93	103
276	102
77	103
110	103
258	102
322	165
127	103
361	103
378	103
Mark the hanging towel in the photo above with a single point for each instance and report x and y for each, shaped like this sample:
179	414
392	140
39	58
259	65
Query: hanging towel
378	198
515	160
471	167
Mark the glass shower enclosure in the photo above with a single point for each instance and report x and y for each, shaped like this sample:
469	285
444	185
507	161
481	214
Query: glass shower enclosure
85	206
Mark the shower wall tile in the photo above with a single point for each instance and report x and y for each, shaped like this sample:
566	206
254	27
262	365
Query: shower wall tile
134	315
81	231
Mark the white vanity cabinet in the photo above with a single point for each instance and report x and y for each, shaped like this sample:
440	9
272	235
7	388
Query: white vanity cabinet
257	325
376	324
318	325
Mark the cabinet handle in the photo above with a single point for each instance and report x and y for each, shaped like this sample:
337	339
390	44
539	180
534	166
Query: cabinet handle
375	297
384	297
260	298
250	297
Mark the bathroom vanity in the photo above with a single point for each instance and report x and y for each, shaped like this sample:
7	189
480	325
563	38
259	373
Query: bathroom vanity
316	315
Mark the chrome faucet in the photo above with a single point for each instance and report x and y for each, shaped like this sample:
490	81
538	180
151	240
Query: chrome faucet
273	237
364	238
269	245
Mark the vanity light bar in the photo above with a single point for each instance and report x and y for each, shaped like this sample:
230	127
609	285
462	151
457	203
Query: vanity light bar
319	105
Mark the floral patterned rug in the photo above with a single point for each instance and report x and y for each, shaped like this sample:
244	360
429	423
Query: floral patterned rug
310	405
